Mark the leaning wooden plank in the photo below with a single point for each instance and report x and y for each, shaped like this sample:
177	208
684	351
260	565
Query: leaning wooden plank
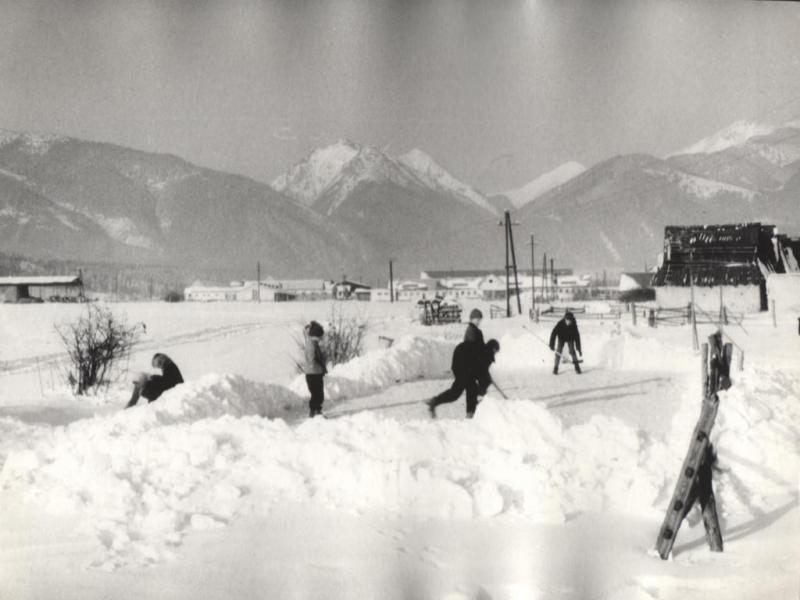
683	488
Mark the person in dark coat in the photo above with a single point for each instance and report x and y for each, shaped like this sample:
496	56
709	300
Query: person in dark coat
473	332
484	377
152	386
566	331
314	366
470	366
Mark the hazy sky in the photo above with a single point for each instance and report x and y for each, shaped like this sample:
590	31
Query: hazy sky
498	92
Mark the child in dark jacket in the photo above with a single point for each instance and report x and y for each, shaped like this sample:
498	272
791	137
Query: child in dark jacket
566	330
314	366
152	386
470	367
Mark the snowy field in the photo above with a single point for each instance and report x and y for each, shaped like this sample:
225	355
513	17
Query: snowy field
222	489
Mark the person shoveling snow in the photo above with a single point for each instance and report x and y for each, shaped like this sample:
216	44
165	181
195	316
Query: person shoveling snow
470	366
152	386
566	330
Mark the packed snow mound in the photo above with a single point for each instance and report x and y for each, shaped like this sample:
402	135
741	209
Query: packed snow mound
141	484
141	479
214	396
409	359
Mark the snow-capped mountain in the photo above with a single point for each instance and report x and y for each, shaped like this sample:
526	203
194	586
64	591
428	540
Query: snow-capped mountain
436	177
762	162
306	180
544	183
615	212
327	176
66	198
734	135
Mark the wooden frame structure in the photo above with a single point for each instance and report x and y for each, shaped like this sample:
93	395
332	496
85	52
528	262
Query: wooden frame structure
695	478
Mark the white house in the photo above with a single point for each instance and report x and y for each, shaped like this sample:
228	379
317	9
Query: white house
238	292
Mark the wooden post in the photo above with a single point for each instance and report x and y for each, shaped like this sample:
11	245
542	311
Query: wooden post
721	307
533	287
633	313
704	370
544	277
514	264
774	318
391	282
740	362
508	266
651	317
258	281
693	315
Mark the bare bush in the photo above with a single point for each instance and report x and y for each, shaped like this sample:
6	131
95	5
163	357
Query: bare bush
344	337
95	344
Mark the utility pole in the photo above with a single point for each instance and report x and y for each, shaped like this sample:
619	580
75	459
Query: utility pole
391	282
533	287
258	281
544	277
512	263
553	290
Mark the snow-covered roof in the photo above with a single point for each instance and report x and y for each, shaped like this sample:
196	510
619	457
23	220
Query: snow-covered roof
636	281
43	280
304	284
481	273
354	284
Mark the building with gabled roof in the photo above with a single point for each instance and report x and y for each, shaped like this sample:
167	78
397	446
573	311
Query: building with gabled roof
38	288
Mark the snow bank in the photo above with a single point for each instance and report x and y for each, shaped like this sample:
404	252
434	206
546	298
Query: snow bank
409	359
143	478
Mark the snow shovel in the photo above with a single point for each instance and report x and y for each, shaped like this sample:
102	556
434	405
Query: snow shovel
499	390
566	359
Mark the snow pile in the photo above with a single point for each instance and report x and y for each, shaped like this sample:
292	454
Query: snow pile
214	396
409	359
143	478
200	456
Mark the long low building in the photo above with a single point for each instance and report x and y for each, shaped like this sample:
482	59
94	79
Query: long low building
57	288
269	290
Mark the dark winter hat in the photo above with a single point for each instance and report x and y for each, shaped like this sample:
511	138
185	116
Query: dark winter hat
475	314
569	315
315	329
493	345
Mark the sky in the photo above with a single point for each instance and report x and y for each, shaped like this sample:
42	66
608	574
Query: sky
497	92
